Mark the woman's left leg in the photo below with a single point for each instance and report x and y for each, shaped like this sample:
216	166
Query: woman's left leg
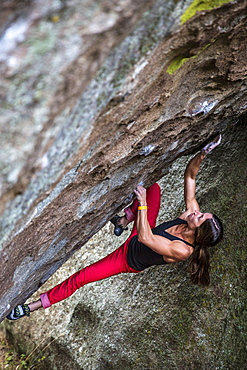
113	264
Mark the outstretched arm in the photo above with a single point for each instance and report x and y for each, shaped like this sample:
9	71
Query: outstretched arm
190	182
191	173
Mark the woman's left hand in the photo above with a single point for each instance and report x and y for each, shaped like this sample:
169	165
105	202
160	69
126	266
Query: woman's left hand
140	192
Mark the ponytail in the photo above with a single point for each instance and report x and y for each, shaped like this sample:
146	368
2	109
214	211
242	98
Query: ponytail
200	266
208	234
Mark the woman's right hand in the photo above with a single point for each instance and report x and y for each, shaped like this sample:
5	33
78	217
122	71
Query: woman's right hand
140	193
209	147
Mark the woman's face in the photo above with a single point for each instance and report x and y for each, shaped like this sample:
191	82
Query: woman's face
196	218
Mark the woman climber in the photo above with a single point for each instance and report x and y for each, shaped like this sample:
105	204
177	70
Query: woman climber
188	235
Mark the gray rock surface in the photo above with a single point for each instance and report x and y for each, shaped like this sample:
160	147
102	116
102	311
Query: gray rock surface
156	319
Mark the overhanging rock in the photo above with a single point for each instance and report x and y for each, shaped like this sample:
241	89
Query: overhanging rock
136	117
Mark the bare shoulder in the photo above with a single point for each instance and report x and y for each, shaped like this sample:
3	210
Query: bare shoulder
179	252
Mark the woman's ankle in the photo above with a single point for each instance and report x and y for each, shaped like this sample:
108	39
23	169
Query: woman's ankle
129	214
33	306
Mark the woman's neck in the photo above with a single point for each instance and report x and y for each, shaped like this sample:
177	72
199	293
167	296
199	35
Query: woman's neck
187	234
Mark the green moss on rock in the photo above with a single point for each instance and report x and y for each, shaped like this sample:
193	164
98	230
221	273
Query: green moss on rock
180	60
176	64
200	5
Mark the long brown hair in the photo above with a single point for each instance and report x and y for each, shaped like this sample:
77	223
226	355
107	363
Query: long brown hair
208	234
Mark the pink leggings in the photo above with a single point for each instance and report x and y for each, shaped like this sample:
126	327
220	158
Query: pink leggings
113	264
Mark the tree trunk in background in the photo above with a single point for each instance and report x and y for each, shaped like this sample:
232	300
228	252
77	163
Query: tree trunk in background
164	86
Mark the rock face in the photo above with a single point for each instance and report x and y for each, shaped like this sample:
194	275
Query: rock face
155	90
156	319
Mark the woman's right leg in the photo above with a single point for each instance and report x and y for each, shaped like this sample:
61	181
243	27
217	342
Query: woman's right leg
153	203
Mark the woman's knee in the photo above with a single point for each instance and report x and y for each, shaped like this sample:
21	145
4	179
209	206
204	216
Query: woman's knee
154	189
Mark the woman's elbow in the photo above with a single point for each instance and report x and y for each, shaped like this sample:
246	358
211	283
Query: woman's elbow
143	239
140	239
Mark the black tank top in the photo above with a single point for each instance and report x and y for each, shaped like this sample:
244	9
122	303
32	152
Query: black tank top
140	257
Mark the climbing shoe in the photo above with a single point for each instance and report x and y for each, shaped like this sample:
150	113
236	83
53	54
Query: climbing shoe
118	229
19	311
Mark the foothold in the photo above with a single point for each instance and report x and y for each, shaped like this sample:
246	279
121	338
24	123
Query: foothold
147	150
44	161
201	105
130	124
